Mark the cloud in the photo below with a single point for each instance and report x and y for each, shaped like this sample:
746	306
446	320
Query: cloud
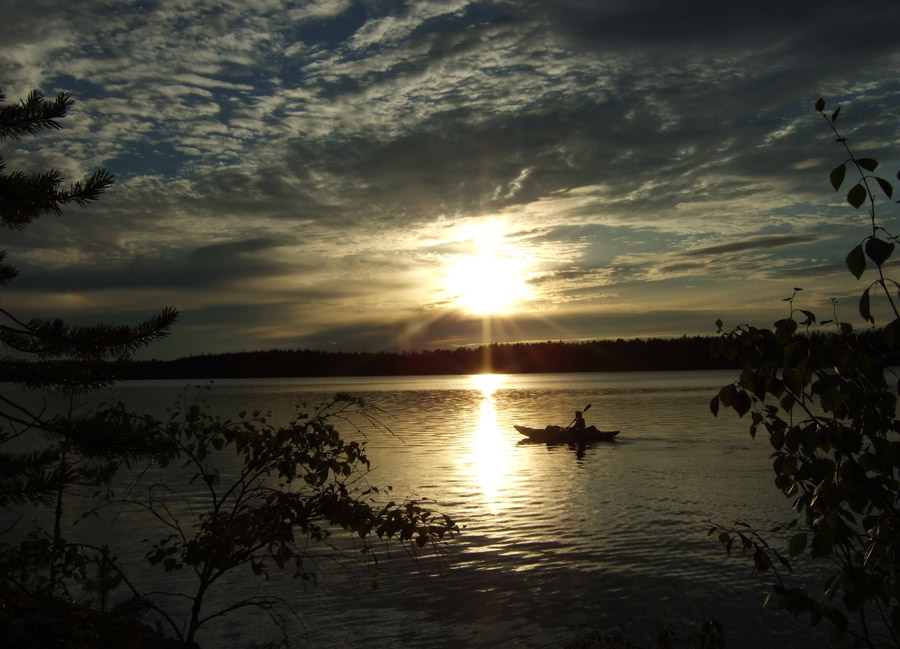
751	257
768	243
324	161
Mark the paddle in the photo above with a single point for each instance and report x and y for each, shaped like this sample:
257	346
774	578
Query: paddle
586	408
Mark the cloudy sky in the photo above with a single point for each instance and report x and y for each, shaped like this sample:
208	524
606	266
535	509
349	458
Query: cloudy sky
367	175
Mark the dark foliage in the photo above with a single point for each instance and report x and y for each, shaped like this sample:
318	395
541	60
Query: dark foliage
51	355
298	484
828	404
45	581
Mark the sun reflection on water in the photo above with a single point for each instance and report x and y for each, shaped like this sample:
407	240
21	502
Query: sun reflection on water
488	447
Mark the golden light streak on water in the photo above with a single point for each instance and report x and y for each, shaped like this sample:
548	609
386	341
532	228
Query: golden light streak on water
488	447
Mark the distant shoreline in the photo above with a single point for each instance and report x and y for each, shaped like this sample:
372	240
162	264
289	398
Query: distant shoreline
654	354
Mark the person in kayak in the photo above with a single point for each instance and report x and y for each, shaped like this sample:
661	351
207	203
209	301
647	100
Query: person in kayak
579	421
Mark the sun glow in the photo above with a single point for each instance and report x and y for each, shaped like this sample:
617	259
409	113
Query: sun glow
488	383
493	281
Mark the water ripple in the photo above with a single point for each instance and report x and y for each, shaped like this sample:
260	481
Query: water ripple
552	539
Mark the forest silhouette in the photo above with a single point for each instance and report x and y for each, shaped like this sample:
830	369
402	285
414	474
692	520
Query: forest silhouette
655	354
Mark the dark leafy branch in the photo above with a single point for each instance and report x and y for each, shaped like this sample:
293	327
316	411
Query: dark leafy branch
295	489
829	410
293	485
873	247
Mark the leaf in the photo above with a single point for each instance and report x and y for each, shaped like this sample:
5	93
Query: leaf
832	584
886	187
835	114
837	176
869	164
728	394
820	105
865	308
760	387
856	261
742	404
892	334
787	403
784	330
731	352
797	544
879	250
857	196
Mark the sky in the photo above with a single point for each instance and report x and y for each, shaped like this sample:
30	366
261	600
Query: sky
366	176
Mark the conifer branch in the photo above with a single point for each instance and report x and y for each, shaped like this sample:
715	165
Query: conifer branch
33	114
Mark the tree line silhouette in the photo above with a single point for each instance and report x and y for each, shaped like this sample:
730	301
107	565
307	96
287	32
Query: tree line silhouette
685	353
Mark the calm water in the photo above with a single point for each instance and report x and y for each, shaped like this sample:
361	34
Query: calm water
553	543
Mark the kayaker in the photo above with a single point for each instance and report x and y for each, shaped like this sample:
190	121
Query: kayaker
579	421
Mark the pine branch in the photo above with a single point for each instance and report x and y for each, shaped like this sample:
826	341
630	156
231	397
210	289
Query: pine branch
51	355
33	114
32	420
64	376
86	191
114	434
74	359
7	272
26	197
103	439
54	339
30	477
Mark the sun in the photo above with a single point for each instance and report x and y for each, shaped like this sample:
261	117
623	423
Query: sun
487	283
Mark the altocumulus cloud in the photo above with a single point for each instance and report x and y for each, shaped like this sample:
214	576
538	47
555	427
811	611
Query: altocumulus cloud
297	174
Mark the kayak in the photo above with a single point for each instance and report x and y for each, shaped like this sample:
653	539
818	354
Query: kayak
561	435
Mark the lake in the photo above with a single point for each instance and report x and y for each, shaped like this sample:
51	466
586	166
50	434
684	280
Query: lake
554	542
